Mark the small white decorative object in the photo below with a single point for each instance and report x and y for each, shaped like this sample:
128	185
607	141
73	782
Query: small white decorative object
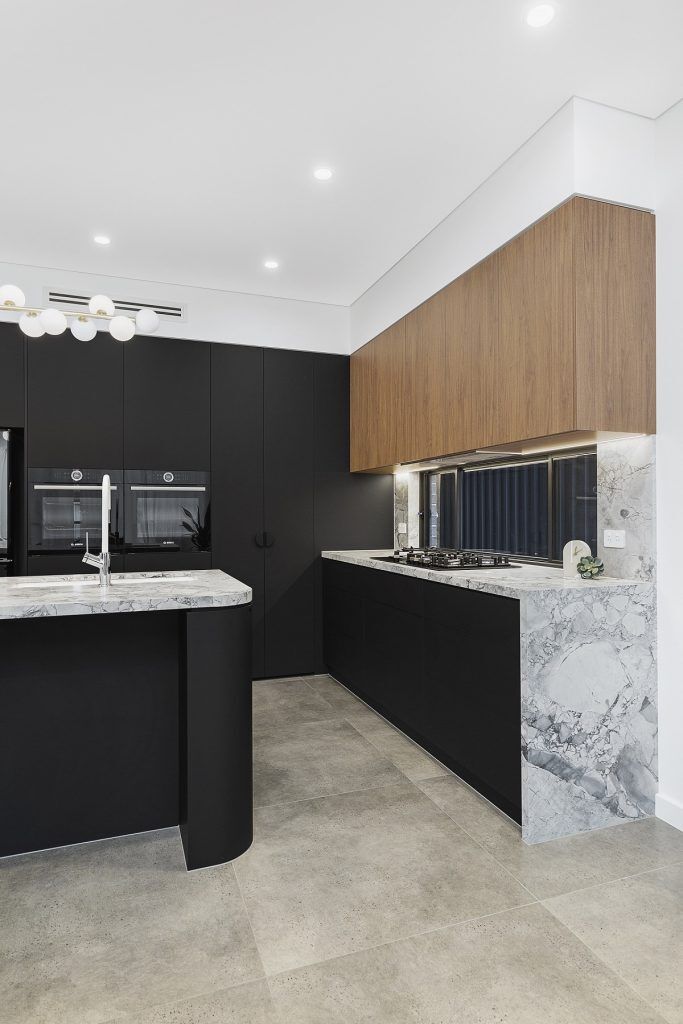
572	552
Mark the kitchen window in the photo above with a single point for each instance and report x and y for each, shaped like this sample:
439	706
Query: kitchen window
528	508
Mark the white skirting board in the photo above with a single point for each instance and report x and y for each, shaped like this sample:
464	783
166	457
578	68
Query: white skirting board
669	810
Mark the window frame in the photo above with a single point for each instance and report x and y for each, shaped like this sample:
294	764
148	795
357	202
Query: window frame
541	457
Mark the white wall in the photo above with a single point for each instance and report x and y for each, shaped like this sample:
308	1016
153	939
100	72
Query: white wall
212	315
585	149
669	152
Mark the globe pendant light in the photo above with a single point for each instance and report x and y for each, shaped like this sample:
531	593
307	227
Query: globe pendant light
30	324
54	321
147	320
122	328
10	296
83	329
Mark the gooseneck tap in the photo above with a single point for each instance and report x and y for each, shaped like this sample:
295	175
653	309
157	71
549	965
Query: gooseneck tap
102	561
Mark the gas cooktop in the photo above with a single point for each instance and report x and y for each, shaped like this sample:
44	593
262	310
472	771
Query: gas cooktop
447	559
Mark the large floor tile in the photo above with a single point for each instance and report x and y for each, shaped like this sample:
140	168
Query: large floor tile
298	761
245	1004
334	693
93	931
519	967
288	700
412	760
330	876
562	865
636	926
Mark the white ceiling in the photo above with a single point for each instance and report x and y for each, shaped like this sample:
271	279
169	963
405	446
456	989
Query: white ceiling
188	131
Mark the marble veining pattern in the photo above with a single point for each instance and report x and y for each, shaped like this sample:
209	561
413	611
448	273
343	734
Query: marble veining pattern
588	708
627	501
24	597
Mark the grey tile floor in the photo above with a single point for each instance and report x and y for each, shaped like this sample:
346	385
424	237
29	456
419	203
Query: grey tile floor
379	888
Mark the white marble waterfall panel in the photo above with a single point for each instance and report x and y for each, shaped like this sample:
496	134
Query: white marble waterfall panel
589	719
626	501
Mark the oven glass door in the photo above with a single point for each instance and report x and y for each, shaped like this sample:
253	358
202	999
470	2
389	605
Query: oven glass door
170	518
62	514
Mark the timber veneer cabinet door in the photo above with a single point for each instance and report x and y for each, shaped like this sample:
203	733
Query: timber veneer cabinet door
473	412
378	400
424	407
535	372
614	260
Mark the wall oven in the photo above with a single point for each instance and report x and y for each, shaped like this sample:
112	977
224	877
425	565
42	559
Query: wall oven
65	504
167	510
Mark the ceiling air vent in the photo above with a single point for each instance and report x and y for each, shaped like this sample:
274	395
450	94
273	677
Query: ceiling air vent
130	307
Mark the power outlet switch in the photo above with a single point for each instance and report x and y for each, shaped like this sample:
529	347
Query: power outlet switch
614	539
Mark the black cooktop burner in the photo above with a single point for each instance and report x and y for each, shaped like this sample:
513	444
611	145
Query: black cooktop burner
447	559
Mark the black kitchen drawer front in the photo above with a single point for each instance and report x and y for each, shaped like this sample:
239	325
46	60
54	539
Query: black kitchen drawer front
440	662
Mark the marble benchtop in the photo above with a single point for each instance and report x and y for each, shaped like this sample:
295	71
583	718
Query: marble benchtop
26	597
515	582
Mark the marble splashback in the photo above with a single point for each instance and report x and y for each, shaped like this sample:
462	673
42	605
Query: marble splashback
406	509
626	501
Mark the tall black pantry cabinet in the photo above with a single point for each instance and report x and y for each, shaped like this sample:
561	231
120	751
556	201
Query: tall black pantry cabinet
282	492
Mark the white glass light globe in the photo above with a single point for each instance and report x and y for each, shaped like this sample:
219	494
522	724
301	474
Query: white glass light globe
53	320
10	295
101	304
83	329
122	328
31	326
147	320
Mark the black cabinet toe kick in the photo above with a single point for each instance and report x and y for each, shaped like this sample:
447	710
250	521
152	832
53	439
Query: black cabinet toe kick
125	723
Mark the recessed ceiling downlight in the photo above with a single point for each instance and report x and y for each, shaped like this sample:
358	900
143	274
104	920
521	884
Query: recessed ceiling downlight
323	173
271	264
540	15
102	239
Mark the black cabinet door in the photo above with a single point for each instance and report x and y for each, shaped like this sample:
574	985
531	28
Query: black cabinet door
352	510
12	346
289	452
237	475
75	402
167	393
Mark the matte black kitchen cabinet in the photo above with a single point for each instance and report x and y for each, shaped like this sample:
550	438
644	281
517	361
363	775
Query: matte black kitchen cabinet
440	662
237	476
12	348
289	511
352	510
282	492
75	402
167	392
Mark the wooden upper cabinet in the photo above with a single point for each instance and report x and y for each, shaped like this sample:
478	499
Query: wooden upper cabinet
552	334
424	406
473	409
378	400
536	331
614	252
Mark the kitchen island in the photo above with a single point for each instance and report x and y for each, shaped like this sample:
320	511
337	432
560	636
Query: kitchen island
474	664
125	709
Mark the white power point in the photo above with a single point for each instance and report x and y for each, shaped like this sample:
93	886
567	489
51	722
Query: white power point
402	528
614	538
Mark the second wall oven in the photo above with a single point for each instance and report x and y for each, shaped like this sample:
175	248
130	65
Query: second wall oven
167	510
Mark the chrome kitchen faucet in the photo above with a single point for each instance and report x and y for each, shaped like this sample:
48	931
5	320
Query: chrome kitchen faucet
103	560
